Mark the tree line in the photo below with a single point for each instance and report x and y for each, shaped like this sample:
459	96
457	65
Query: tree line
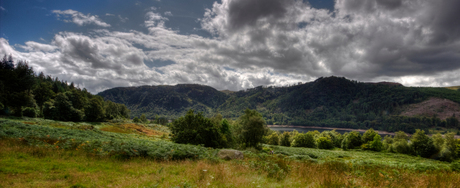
25	93
445	148
250	130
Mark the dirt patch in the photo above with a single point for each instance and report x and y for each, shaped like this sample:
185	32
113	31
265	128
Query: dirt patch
30	123
441	108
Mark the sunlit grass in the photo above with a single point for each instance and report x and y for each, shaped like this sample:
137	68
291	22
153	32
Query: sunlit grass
29	166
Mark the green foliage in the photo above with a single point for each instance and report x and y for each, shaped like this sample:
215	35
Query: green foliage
422	145
253	128
143	119
29	112
21	88
401	146
376	144
369	135
285	139
352	140
273	139
196	129
324	143
304	140
136	120
95	110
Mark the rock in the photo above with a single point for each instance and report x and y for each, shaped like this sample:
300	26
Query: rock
229	154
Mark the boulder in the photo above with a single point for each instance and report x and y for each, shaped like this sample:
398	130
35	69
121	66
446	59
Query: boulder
229	154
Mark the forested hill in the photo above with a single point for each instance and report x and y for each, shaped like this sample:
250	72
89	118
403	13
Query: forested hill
330	101
167	101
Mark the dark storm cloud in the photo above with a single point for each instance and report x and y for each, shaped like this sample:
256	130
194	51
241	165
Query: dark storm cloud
390	4
246	13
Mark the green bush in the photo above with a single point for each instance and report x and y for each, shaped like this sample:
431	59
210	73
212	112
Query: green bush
304	140
422	145
285	139
324	143
273	139
196	129
351	140
29	112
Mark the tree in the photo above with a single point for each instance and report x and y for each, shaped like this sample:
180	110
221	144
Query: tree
253	128
369	135
143	119
273	139
351	140
95	110
196	129
304	140
422	145
324	143
376	144
285	139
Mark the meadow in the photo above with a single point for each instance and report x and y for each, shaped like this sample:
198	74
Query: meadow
46	153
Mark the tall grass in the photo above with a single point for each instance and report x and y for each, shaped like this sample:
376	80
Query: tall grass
23	165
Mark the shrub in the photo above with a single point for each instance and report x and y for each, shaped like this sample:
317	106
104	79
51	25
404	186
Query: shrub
285	139
352	140
400	146
369	135
324	143
376	144
422	145
196	129
304	140
273	139
29	112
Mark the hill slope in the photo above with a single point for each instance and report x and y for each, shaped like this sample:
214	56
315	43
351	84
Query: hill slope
330	101
166	101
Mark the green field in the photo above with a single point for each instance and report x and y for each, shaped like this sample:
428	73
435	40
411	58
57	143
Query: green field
45	153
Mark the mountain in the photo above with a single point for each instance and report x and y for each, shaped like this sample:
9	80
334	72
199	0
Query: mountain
330	101
166	101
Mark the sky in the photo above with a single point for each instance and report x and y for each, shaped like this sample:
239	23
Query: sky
234	44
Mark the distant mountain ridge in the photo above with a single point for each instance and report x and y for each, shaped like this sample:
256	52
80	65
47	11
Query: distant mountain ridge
329	101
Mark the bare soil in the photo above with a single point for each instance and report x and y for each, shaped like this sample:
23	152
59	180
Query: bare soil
441	108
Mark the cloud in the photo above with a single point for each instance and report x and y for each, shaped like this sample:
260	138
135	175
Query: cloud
80	18
3	9
123	19
168	13
285	42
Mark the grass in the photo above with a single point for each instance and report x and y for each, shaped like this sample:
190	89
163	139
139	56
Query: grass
366	158
30	166
45	153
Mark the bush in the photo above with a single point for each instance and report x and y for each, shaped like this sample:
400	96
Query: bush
376	144
285	139
422	145
29	112
273	139
304	140
369	135
196	129
351	140
324	143
400	146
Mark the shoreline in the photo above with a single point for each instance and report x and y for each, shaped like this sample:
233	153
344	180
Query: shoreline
332	128
345	129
